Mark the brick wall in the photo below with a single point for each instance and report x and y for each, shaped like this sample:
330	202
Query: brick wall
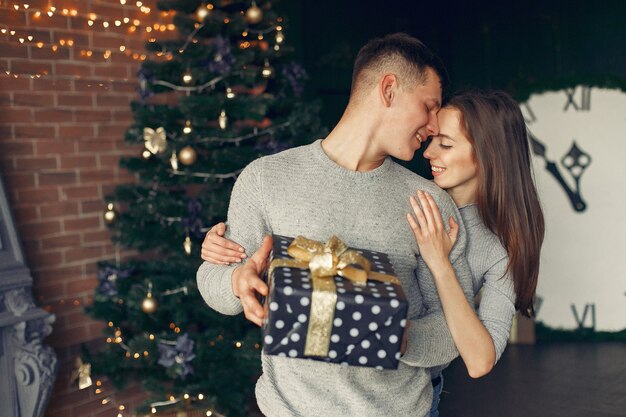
64	108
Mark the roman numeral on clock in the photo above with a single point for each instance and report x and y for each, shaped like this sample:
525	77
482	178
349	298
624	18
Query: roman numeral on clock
579	102
580	321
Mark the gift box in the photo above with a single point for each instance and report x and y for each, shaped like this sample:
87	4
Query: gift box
332	303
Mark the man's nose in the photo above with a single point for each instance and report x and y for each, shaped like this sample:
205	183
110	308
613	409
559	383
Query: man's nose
433	126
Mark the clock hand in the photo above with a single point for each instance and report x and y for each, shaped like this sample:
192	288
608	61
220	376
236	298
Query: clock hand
539	149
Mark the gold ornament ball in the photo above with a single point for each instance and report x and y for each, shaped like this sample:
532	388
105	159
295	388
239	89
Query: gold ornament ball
187	155
149	304
110	215
254	14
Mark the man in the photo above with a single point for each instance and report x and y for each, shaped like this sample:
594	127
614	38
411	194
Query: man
347	185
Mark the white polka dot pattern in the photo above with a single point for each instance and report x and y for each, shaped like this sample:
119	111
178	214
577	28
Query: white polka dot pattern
368	320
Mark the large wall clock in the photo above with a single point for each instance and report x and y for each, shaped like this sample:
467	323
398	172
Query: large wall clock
578	143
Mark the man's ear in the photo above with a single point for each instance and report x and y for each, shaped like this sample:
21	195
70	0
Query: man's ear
388	87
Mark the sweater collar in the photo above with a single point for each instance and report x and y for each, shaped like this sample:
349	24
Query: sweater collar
335	168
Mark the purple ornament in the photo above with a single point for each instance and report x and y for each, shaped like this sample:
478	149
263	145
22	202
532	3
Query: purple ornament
108	277
193	221
222	59
179	355
145	78
294	73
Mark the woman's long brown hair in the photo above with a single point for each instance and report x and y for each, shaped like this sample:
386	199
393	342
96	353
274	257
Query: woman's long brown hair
507	199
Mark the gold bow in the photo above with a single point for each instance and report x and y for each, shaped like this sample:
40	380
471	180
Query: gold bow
325	260
155	140
82	373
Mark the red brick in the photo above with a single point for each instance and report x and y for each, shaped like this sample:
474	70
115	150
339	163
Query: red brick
13	84
116	71
14	148
118	100
36	163
93	206
95	329
123	115
75	100
83	253
116	131
51	85
35	132
83	285
57	178
99	236
47	53
82	161
73	70
55	147
124	86
54	115
109	161
56	21
33	99
51	290
40	229
81	192
58	209
76	131
48	259
12	18
62	241
19	180
91	86
81	40
95	146
38	195
13	50
8	115
87	223
97	176
59	273
30	67
83	116
65	337
109	41
25	214
73	397
43	35
112	12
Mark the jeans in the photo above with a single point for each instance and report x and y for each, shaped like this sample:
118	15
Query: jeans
437	388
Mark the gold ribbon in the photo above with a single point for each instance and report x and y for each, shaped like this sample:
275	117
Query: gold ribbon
325	260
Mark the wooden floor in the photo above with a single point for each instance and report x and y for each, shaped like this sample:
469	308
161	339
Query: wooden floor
547	380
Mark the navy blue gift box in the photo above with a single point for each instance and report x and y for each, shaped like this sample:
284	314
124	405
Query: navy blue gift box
367	324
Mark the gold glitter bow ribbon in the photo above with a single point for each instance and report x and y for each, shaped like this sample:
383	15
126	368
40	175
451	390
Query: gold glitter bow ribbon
155	140
82	374
325	260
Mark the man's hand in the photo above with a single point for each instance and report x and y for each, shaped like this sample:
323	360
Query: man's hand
247	282
219	250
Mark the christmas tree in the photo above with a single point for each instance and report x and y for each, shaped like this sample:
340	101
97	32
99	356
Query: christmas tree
218	95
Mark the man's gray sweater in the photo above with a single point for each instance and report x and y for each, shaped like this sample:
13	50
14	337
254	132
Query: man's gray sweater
301	191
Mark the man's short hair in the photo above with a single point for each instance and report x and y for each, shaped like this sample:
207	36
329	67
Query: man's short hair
397	53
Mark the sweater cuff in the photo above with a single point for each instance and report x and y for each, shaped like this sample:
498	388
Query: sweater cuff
215	286
225	286
429	344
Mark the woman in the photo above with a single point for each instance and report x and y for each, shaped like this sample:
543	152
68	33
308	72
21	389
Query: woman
481	158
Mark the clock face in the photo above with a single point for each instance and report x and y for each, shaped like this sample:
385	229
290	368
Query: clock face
578	139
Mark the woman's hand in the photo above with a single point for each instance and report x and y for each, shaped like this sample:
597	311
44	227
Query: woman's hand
219	250
434	242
